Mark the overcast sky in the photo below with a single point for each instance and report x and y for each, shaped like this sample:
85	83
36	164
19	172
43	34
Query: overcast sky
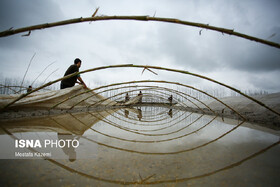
235	61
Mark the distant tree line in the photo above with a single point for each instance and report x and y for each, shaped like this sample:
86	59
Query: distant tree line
12	86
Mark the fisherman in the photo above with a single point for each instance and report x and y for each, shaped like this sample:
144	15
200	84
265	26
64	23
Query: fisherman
70	82
29	89
127	97
141	95
170	99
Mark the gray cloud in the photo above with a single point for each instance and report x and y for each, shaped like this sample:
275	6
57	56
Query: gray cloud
23	13
18	14
213	51
266	81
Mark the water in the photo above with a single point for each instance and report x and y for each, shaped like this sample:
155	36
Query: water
147	145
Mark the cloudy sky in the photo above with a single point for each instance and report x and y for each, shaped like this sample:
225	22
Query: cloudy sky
235	61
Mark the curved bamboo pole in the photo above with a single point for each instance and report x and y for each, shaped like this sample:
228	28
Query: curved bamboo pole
147	121
162	88
12	31
160	153
145	181
124	83
175	83
42	72
27	70
147	141
143	66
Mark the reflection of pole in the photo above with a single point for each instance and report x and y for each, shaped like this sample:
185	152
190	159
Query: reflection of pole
145	180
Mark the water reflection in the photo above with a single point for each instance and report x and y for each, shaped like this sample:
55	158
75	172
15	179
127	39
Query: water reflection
152	145
170	113
68	150
139	114
126	113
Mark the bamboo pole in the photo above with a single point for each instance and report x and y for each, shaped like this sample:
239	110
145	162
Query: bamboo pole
145	182
50	75
144	66
136	18
27	71
11	88
42	72
176	83
135	123
188	73
95	89
153	141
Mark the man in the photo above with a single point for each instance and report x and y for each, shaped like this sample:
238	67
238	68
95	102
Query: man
170	99
127	97
141	96
70	82
29	89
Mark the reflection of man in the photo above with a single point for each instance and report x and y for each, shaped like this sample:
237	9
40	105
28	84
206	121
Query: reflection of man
139	114
69	151
70	82
126	113
170	113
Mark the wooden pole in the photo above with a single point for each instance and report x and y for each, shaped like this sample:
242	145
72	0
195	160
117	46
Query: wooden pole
144	66
12	31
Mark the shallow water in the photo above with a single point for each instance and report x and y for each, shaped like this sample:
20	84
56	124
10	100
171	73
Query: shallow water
147	145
